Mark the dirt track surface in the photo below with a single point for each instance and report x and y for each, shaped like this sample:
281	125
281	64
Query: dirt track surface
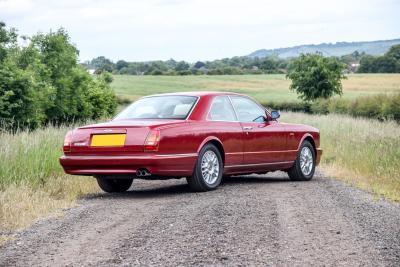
255	220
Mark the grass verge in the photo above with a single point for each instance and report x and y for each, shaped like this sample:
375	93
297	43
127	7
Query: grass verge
362	152
22	204
32	182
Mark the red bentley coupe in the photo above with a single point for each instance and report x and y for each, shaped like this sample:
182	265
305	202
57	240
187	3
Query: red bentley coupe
202	136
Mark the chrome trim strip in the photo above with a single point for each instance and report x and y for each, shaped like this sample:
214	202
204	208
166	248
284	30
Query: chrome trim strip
220	121
105	157
148	156
177	155
259	164
259	152
233	153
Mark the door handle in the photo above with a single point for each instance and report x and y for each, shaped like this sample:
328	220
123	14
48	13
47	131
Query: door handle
247	128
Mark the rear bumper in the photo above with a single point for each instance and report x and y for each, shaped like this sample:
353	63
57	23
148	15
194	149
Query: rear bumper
166	165
319	154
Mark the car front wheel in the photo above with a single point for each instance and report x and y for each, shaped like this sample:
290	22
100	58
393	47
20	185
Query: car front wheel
112	185
304	166
207	174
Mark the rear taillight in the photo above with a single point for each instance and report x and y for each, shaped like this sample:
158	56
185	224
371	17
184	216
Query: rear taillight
152	141
67	142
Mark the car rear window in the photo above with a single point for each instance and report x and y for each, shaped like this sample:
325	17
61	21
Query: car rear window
159	107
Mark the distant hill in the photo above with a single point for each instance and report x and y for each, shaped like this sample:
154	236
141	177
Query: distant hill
330	49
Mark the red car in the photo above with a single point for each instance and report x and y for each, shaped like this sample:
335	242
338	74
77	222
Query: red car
202	136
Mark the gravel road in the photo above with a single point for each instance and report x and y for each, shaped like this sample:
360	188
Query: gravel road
257	220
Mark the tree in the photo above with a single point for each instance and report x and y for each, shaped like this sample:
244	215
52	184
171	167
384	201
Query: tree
199	64
101	64
43	83
18	90
394	52
182	66
314	76
121	64
268	65
75	88
8	38
367	64
388	63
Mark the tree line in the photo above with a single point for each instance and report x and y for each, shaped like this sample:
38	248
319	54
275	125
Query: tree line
41	82
226	66
355	62
388	63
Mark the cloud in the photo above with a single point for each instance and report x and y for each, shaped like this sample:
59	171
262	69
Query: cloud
15	6
201	29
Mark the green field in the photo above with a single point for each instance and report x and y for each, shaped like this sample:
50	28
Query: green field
265	88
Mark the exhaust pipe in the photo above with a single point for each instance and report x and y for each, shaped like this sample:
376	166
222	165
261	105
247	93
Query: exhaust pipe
142	173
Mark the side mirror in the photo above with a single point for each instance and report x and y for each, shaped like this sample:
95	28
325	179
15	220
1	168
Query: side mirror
275	114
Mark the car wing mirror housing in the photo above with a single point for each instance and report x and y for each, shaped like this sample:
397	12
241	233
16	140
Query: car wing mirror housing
275	115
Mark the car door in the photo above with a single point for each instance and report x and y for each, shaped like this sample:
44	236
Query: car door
264	141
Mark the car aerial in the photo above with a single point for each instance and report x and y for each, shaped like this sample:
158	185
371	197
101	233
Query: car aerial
203	136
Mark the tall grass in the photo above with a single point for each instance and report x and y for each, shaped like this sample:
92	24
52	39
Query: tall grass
363	152
30	157
32	182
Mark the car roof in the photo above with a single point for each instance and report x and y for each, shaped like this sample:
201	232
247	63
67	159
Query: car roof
197	93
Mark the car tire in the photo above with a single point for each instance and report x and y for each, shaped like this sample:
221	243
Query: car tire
112	185
304	166
207	174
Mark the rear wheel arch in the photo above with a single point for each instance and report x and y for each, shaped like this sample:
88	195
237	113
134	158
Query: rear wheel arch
217	143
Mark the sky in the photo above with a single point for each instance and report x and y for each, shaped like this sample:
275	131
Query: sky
194	30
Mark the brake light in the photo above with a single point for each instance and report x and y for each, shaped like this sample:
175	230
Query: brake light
67	141
152	141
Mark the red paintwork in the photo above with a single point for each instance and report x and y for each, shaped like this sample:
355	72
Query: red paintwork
268	146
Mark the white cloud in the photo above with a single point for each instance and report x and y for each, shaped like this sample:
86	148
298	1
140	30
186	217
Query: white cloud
15	6
202	29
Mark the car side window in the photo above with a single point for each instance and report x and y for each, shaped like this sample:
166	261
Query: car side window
247	110
221	109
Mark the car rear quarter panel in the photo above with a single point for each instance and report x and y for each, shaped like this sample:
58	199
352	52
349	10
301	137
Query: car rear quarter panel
189	138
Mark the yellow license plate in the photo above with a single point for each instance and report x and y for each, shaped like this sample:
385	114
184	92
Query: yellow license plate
108	140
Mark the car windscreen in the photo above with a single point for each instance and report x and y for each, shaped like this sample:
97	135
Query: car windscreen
159	107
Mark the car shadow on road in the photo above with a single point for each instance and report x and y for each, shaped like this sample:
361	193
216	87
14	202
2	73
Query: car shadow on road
147	192
159	189
258	179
